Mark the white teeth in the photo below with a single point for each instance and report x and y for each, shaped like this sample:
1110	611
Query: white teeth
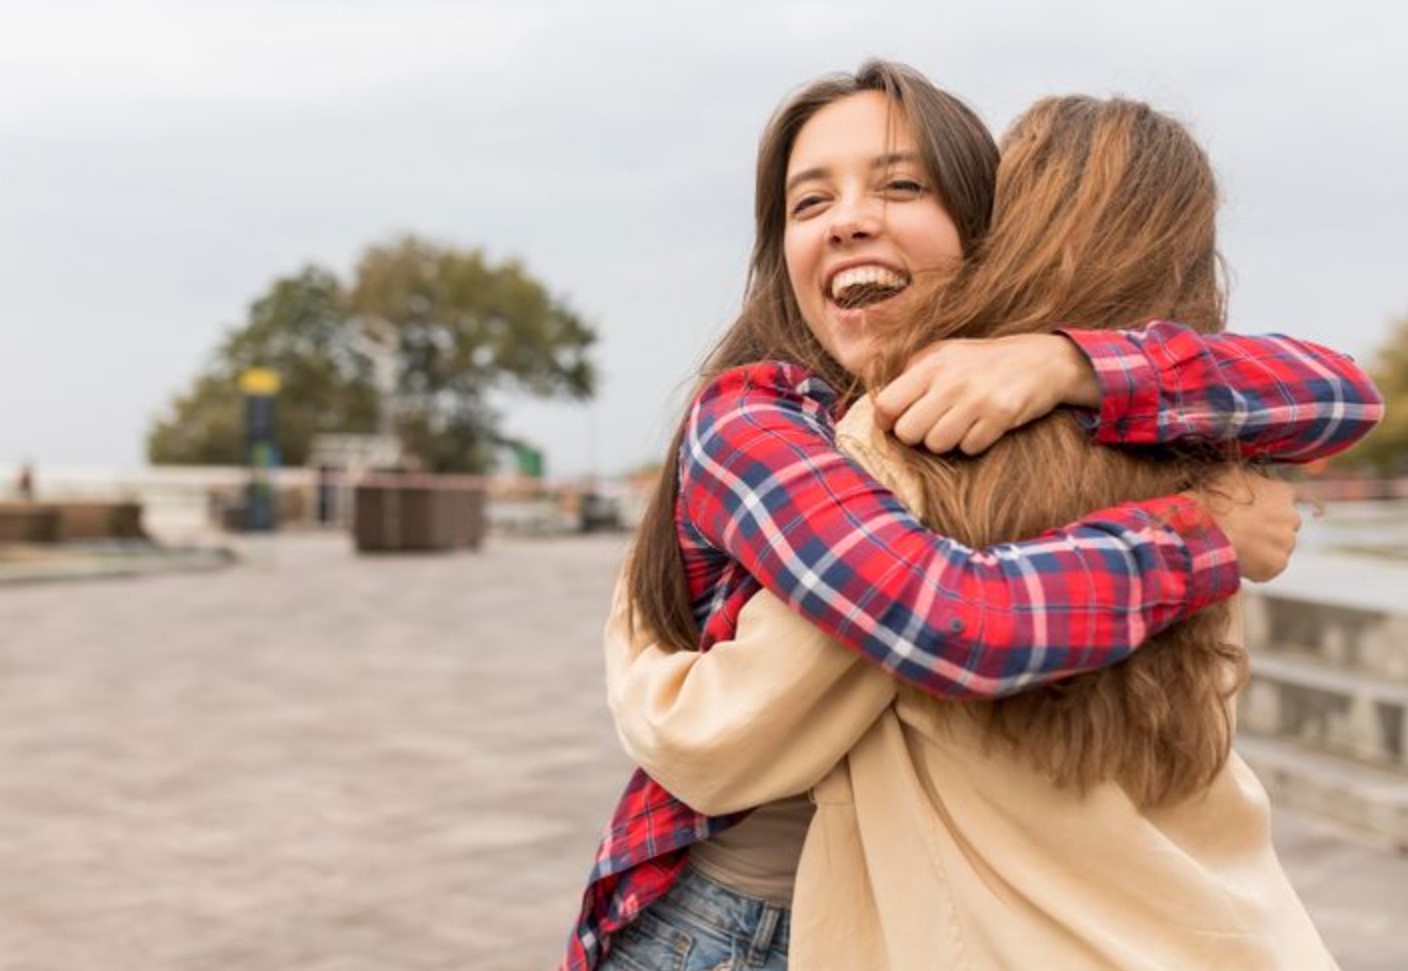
866	275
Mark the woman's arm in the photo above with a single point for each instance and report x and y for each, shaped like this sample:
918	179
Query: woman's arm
757	718
1275	397
762	483
1279	398
763	715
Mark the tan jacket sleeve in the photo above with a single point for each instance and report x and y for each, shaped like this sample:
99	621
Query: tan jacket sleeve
754	719
750	721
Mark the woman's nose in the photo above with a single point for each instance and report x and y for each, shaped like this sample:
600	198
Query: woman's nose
854	220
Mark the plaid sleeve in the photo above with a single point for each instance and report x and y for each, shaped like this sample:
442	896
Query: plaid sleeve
1279	398
762	482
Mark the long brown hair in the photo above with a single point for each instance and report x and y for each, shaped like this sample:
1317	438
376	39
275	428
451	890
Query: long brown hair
961	160
1105	217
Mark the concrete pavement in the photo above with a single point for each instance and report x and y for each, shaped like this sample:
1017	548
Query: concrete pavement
319	762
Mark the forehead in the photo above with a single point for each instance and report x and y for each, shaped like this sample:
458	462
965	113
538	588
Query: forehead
858	128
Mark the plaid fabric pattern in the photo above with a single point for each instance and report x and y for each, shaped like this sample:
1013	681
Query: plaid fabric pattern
1279	398
766	499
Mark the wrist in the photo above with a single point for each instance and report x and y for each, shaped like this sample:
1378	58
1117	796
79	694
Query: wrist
1212	555
1082	387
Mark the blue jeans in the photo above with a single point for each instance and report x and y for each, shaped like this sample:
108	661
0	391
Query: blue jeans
701	925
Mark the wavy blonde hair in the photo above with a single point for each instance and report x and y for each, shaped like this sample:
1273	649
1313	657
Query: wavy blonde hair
1104	217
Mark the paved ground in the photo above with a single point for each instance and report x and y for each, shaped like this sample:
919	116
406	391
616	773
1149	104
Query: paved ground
315	762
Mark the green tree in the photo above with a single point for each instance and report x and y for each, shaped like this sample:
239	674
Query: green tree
465	328
298	329
1386	447
462	328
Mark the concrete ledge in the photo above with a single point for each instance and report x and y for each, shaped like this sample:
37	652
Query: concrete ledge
1342	580
1369	640
1332	710
1370	800
29	564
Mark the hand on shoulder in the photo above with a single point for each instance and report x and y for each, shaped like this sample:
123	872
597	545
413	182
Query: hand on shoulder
967	394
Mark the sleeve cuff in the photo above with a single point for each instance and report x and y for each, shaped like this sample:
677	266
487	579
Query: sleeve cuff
1129	387
1212	563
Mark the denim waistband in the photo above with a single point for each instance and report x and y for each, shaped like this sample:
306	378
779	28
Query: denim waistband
726	911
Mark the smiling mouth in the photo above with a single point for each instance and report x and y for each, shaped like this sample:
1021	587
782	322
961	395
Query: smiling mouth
865	295
852	289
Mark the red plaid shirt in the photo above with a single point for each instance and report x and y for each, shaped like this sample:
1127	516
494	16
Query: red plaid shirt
767	500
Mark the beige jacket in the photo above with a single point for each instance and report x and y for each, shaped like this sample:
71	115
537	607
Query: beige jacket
927	852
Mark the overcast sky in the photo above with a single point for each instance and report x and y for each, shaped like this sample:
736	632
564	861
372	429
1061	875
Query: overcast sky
162	162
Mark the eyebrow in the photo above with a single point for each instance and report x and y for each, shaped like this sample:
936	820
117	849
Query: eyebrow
880	162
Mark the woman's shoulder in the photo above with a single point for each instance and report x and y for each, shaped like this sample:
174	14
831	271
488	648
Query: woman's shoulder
762	381
758	414
859	425
859	435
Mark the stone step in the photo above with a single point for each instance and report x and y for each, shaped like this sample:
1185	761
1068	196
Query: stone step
1358	637
1370	800
1339	712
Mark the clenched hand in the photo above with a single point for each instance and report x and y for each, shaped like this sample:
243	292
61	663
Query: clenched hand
966	394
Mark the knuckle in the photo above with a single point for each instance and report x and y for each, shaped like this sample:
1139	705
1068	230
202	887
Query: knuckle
906	433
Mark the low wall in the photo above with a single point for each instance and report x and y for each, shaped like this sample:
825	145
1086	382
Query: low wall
1324	720
67	522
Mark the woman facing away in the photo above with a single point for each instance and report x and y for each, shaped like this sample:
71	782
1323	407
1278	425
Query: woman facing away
1100	822
864	183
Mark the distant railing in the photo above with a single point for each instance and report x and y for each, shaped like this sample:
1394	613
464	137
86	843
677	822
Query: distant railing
1352	488
1324	721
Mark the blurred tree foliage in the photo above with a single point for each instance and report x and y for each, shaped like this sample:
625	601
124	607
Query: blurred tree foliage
1385	449
463	328
467	327
298	329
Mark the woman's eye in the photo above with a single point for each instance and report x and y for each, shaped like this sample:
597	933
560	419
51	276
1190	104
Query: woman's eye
802	205
907	187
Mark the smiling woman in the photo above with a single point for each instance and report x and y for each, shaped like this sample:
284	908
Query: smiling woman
864	183
863	218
